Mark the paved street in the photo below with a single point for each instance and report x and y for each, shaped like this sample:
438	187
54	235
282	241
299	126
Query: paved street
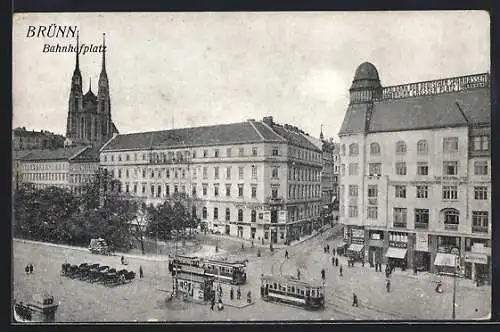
142	300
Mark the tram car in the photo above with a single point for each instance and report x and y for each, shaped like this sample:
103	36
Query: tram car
293	291
175	263
228	272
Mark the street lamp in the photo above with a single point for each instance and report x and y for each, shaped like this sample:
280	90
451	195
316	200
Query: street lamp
457	269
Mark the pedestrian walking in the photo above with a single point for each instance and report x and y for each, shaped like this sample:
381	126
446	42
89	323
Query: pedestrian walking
141	272
328	248
231	294
415	269
336	261
323	274
340	271
252	243
333	261
238	293
298	274
354	300
122	260
242	247
249	297
212	303
31	268
388	285
286	254
27	269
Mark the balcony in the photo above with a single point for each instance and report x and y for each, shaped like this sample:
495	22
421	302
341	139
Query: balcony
451	227
479	229
421	225
399	225
274	200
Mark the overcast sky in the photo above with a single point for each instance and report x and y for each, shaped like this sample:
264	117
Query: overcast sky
210	68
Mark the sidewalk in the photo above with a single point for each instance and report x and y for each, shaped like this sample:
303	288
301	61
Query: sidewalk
258	244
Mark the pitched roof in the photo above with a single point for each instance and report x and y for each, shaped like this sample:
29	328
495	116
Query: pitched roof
421	112
234	133
433	111
266	131
89	155
293	137
56	154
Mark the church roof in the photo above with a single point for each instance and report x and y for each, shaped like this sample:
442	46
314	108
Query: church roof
366	76
421	112
90	96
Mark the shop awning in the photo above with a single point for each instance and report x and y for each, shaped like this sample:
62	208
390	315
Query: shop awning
355	247
445	259
396	253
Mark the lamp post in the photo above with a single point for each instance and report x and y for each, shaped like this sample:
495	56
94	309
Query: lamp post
457	270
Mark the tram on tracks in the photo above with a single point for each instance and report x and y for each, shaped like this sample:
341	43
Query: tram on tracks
293	291
223	271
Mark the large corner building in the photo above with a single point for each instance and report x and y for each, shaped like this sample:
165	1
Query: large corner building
256	179
416	173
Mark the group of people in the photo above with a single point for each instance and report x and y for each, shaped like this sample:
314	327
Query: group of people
220	305
28	269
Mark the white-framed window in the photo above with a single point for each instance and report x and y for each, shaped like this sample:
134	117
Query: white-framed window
450	144
375	169
422	192
216	153
422	168
216	172
450	192
353	190
481	193
481	167
353	211
353	149
450	167
480	143
275	172
254	191
399	217
400	147
480	219
353	169
204	189
216	190
205	173
372	190
275	151
240	190
228	190
374	148
421	217
372	212
240	172
401	168
216	213
422	147
254	172
451	216
400	191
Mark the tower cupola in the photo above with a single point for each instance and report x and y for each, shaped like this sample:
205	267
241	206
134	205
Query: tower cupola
366	84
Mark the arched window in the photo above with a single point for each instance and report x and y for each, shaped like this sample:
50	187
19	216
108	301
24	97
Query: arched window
343	149
254	216
374	148
240	215
204	212
353	149
422	147
451	218
400	147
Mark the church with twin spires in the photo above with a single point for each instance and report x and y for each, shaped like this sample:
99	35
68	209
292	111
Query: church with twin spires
89	115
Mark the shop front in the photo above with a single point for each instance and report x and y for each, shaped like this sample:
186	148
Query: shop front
193	287
477	259
396	254
357	245
376	248
448	254
422	256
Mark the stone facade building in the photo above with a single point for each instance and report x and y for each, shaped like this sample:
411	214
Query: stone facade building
256	179
416	173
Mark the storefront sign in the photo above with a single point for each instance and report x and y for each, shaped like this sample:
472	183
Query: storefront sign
375	236
422	242
376	243
358	233
480	249
471	257
282	216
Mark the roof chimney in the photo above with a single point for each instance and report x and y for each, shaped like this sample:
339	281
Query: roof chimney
268	120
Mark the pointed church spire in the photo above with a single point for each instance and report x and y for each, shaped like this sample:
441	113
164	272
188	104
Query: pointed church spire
104	52
77	51
321	137
90	83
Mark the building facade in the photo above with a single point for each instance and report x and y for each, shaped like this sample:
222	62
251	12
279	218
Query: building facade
67	168
416	173
89	116
23	139
256	179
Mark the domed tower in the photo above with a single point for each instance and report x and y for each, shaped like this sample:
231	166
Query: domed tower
366	85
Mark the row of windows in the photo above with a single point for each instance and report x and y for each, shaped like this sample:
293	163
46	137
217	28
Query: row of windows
303	174
304	154
298	213
184	155
422	216
422	191
449	168
44	176
450	144
303	191
43	166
